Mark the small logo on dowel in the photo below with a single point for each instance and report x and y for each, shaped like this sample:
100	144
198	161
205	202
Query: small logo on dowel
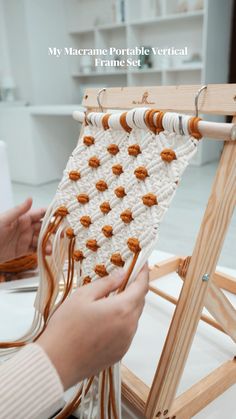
144	100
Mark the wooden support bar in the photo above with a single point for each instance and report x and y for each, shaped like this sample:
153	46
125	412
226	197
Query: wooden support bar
216	302
164	268
222	280
205	391
226	282
174	300
189	308
133	389
221	309
219	98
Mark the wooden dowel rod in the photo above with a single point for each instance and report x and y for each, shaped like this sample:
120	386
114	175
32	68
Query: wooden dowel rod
174	301
217	130
212	130
163	268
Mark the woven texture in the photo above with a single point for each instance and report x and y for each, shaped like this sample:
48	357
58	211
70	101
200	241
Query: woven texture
130	176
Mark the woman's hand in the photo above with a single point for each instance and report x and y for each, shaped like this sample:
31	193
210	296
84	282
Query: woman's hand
19	231
90	332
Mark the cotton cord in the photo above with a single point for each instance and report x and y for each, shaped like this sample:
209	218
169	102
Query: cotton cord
116	187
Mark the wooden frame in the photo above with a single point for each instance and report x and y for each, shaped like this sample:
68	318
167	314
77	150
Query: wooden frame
202	285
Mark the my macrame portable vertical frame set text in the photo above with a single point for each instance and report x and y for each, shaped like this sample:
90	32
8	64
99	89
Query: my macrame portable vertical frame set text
115	190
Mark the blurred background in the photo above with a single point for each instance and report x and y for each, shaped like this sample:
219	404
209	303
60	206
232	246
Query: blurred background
38	91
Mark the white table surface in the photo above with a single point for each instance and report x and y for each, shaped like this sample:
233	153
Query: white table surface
210	348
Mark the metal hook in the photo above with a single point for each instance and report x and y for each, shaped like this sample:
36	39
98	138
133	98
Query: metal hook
197	97
98	98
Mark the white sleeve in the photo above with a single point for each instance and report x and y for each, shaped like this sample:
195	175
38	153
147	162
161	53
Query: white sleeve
30	387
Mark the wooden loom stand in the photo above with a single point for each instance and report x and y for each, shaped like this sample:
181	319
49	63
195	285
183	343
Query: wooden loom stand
198	290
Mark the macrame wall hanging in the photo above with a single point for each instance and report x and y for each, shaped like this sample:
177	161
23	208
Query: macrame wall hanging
115	190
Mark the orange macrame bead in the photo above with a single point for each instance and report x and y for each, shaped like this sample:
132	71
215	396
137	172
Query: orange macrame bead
74	175
134	150
92	245
117	260
100	270
107	231
86	280
133	245
62	211
85	220
83	198
94	162
78	255
117	169
149	199
89	140
120	192
126	216
168	155
70	233
105	207
113	149
141	173
101	185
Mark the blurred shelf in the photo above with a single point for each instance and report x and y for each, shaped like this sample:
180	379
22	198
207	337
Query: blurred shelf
105	27
185	67
101	74
166	18
82	31
137	23
145	71
111	26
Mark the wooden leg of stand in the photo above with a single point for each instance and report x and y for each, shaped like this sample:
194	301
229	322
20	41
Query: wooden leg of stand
133	389
188	311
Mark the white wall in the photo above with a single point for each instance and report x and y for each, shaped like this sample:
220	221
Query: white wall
31	27
46	27
5	69
18	48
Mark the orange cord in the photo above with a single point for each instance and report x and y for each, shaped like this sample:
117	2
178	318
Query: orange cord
102	406
193	127
112	394
124	124
75	402
21	264
105	119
